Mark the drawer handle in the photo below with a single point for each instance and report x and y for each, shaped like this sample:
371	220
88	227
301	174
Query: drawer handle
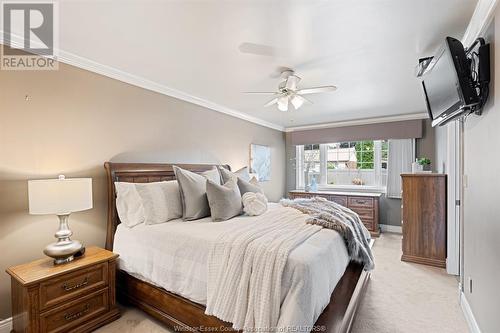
67	287
361	202
76	315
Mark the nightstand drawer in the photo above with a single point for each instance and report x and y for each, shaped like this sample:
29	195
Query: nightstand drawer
66	317
68	286
360	202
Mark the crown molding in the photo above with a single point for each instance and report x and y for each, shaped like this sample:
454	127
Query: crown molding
365	121
480	20
138	81
117	74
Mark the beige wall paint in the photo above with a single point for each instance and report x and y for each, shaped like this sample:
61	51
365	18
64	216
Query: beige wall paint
74	121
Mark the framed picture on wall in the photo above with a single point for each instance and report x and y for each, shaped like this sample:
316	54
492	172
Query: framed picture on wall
260	161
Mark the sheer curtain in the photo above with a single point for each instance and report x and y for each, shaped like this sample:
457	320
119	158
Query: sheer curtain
401	155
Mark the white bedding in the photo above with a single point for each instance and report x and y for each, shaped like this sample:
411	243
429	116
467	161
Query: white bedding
174	256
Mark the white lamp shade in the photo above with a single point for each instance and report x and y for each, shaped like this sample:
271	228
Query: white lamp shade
59	196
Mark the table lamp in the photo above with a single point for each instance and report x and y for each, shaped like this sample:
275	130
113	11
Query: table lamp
60	197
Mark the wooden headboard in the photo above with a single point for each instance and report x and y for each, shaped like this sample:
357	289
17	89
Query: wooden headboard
138	173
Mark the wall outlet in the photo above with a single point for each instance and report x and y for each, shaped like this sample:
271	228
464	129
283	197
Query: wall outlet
465	181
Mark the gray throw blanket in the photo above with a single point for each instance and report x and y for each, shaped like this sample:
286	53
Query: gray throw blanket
331	215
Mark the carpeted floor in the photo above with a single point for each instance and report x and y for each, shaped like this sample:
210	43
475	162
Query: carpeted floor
401	297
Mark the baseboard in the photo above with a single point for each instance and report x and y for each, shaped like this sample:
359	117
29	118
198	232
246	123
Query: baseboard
469	316
391	228
6	325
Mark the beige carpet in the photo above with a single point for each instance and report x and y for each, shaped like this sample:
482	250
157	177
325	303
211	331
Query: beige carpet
401	297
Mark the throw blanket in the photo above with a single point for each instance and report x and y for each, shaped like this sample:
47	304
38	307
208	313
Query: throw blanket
245	269
245	265
331	215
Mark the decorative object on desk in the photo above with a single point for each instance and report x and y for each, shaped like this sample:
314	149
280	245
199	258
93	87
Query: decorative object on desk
60	197
260	161
425	163
416	167
357	181
314	184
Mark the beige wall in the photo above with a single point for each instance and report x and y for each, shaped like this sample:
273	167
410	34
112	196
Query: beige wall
74	121
481	200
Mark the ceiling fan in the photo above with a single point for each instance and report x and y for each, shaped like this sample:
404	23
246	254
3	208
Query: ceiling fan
289	93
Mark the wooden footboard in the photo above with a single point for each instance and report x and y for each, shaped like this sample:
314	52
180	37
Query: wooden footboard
181	314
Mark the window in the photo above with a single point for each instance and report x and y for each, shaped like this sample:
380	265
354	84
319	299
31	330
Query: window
343	163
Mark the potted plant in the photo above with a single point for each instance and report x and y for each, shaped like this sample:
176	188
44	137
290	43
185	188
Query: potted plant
425	163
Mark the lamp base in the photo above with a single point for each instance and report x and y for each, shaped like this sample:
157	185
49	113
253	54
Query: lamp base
64	249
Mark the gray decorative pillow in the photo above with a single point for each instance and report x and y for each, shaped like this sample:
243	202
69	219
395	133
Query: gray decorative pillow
194	192
251	186
224	200
227	175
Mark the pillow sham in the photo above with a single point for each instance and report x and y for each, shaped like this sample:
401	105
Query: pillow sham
193	190
149	203
241	173
249	186
129	204
161	201
254	203
224	200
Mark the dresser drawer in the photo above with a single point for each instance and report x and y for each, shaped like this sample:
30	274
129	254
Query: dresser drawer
66	317
369	224
341	200
360	202
364	213
68	286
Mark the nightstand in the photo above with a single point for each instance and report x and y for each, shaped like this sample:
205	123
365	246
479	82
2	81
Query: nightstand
78	296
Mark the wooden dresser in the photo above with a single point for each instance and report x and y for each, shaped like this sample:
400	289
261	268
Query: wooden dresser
75	297
424	218
364	203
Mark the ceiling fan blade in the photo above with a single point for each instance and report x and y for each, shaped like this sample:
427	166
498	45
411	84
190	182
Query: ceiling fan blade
271	102
260	92
258	49
283	103
291	82
316	90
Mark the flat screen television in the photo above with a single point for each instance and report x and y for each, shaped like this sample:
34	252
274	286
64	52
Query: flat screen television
448	85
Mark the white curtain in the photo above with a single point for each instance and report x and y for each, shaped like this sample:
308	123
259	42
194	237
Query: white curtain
401	155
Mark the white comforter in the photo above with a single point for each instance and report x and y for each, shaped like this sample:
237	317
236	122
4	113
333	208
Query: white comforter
174	255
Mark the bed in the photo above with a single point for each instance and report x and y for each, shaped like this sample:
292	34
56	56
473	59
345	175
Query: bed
144	283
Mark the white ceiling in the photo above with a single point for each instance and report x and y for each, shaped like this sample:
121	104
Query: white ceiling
368	48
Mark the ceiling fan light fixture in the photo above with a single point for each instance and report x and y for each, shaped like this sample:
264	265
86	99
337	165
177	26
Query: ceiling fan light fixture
297	101
283	103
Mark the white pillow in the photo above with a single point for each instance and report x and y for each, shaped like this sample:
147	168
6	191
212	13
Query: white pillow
254	203
129	204
151	203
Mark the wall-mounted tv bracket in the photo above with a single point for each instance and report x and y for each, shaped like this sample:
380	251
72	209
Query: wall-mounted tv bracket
478	56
